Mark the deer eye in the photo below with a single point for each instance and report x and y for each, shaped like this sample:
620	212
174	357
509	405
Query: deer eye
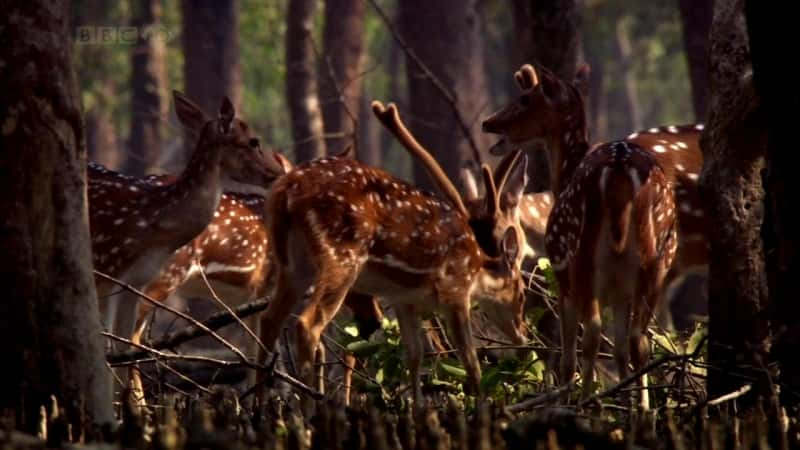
525	100
254	143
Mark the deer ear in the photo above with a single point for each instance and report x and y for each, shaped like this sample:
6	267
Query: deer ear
514	187
509	246
581	80
283	161
226	115
471	192
189	114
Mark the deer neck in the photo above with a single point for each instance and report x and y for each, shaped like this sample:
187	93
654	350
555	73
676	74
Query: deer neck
565	151
198	191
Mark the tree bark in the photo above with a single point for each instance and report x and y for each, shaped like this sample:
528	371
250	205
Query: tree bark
100	90
445	35
733	146
211	68
696	18
370	151
340	70
49	318
301	86
546	33
148	83
770	77
624	50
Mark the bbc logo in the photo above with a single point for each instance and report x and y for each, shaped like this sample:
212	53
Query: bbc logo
120	35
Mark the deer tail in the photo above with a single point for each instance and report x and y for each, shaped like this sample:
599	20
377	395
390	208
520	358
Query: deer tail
619	185
278	219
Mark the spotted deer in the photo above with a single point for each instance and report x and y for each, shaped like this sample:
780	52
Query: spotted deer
344	225
233	254
136	225
611	235
550	111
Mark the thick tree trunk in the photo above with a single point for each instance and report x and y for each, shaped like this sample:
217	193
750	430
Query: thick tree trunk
445	35
211	67
546	33
733	145
370	151
340	70
624	49
99	89
49	318
102	141
301	86
148	82
696	18
597	103
766	29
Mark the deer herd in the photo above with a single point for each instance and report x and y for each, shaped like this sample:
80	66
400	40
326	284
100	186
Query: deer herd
621	224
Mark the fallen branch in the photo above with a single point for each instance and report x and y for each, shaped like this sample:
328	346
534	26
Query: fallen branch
643	371
176	338
232	312
540	399
244	360
448	96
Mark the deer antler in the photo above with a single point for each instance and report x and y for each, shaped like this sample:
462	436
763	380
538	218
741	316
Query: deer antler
492	202
529	74
504	168
390	118
520	80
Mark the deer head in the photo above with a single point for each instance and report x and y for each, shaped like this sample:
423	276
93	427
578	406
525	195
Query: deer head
244	166
540	111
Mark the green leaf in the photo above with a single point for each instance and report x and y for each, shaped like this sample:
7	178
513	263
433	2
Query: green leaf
452	370
352	330
363	348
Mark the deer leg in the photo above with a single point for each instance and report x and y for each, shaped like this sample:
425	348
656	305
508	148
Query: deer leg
461	336
569	336
591	344
622	329
410	333
272	320
322	306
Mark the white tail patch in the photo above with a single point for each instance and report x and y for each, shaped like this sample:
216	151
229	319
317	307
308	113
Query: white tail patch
222	268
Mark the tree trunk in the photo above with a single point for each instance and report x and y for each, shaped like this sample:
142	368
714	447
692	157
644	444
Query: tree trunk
696	18
301	86
597	103
625	52
340	70
148	82
733	145
49	318
211	68
99	89
370	151
766	29
445	35
546	33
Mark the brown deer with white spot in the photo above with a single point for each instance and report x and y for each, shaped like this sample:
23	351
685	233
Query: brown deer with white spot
611	235
551	112
233	254
338	225
136	224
